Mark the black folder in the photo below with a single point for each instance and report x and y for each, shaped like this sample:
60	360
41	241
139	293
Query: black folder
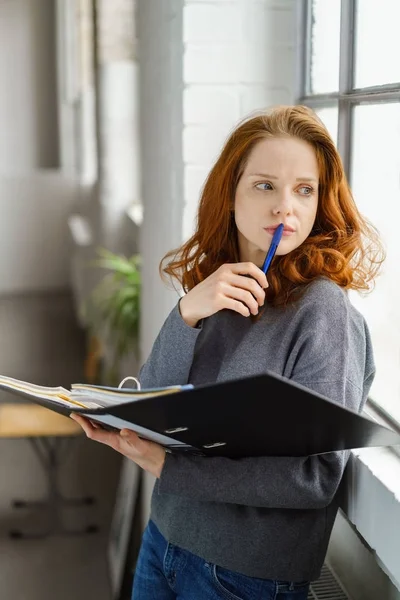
264	415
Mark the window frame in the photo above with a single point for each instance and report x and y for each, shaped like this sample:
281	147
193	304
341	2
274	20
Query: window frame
346	98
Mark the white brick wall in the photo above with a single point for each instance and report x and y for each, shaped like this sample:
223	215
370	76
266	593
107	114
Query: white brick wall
210	105
211	21
238	57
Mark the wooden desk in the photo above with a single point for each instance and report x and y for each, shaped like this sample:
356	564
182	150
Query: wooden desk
31	420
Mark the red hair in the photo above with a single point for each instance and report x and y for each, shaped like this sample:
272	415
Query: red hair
342	246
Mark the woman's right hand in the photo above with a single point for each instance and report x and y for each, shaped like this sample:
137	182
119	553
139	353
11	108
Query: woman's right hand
228	287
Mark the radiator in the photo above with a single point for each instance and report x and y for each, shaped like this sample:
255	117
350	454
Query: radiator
327	587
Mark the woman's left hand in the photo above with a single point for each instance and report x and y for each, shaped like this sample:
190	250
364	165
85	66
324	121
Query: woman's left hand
148	455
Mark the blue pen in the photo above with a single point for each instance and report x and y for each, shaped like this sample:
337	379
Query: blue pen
276	238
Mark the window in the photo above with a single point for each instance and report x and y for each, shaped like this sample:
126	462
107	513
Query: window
352	80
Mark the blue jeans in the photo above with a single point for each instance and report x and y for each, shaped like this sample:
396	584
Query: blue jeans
166	572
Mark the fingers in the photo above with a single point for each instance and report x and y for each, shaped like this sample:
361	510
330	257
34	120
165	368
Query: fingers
93	432
147	455
131	437
244	297
248	283
245	289
96	433
235	286
249	268
237	306
84	423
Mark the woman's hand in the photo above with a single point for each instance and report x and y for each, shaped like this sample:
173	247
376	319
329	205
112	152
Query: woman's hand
148	455
228	287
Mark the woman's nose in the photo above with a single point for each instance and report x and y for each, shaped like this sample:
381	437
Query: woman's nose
283	204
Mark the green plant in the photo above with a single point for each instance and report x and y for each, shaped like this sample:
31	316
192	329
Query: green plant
115	308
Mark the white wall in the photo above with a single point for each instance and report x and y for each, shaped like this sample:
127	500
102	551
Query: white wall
34	238
34	198
28	110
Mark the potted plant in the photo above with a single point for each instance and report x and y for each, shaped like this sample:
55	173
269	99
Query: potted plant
113	314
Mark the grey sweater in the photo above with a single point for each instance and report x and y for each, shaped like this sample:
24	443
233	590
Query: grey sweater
268	517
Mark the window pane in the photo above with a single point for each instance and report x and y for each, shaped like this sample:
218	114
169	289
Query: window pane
376	187
329	117
325	46
377	43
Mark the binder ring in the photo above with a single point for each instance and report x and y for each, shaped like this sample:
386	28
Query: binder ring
138	386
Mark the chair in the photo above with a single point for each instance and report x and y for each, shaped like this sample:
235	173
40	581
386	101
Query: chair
50	435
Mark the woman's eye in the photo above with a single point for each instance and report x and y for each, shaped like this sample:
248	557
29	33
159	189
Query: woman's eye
305	190
264	186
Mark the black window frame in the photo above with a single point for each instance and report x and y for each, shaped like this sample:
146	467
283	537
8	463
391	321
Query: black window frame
345	99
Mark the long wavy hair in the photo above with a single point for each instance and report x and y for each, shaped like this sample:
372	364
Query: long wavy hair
342	246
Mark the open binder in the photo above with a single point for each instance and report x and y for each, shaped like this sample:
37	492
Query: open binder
263	415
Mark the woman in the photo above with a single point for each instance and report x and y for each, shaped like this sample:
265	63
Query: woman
257	528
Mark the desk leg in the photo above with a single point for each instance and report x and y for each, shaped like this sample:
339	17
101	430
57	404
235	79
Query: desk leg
49	453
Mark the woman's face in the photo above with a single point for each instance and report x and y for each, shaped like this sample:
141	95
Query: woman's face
279	185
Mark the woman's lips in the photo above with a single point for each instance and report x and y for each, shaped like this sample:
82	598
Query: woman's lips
286	232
